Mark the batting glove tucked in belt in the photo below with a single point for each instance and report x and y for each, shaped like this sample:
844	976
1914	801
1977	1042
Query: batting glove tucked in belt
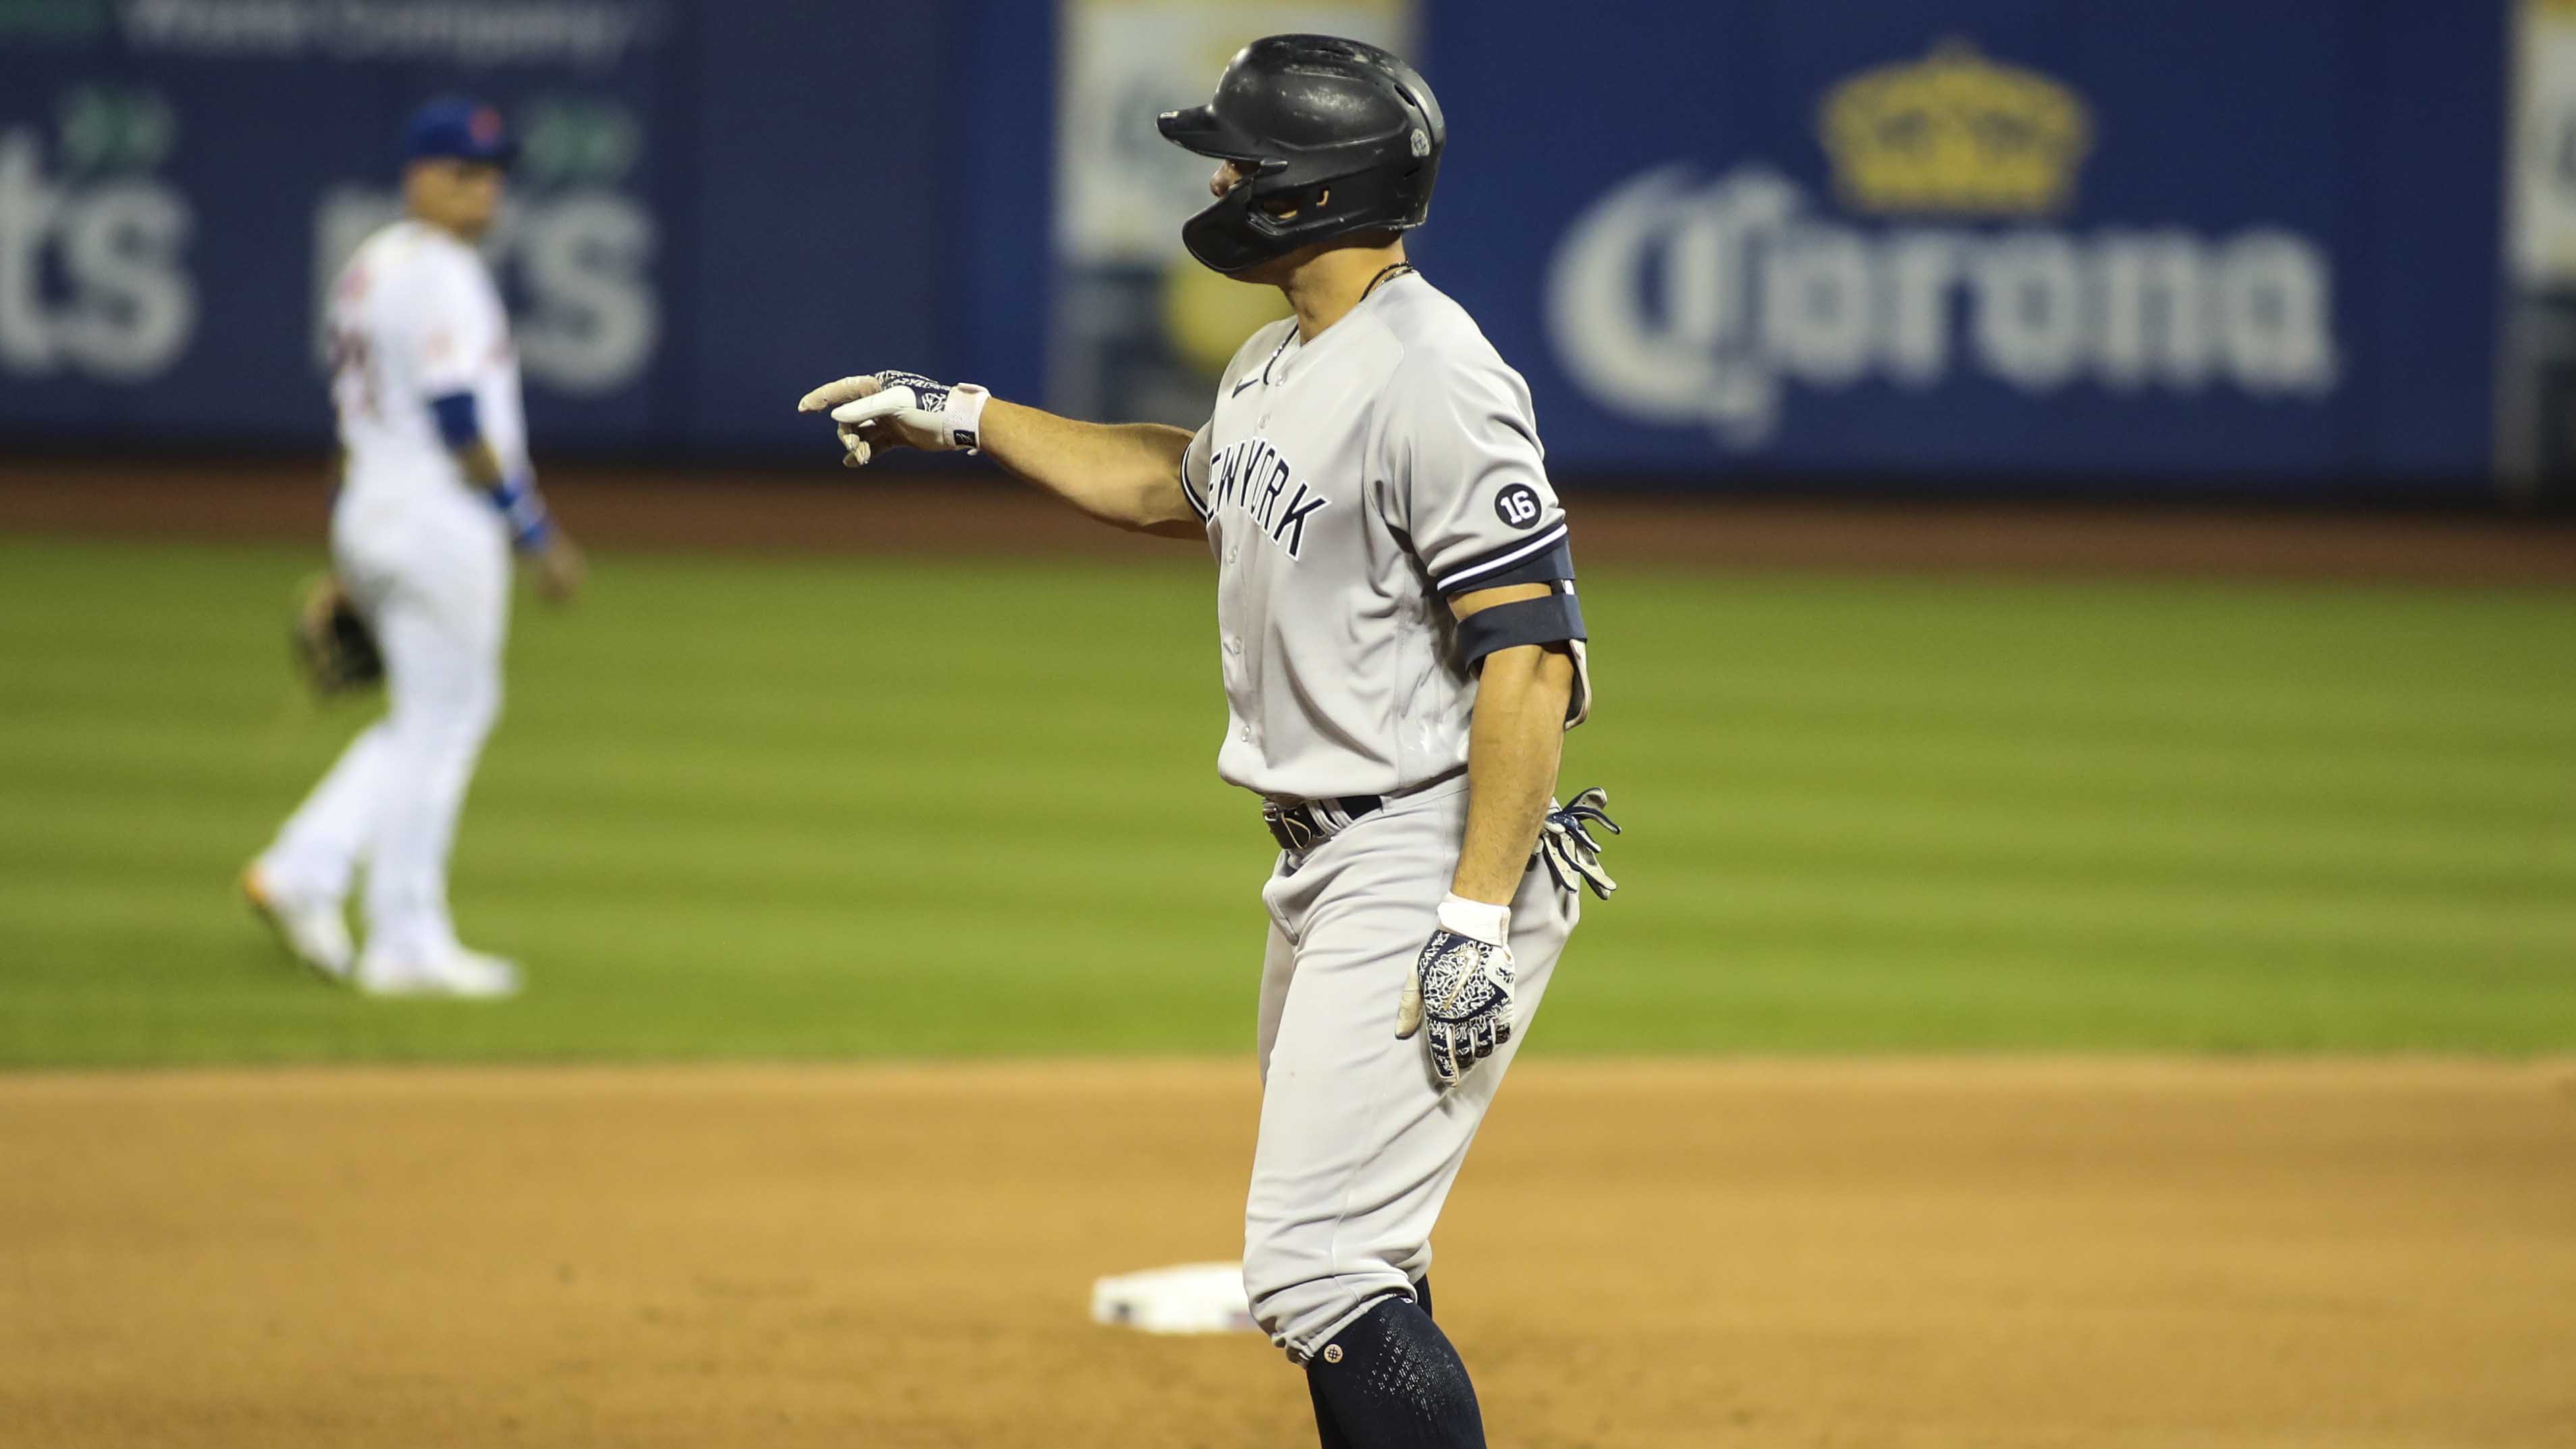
880	410
1566	846
1459	993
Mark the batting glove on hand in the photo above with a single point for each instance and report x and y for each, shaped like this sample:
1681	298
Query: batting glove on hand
880	410
1565	843
1459	992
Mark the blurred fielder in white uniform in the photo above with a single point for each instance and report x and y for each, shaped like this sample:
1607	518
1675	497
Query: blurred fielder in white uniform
436	492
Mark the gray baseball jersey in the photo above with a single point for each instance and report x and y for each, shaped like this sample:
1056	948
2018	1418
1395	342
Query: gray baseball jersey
1352	486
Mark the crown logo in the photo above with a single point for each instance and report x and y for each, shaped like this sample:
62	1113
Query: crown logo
1955	133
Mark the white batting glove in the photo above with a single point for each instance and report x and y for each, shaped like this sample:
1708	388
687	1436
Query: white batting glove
1459	992
880	410
1567	847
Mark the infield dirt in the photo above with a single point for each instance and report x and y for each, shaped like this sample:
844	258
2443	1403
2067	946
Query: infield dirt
1739	1254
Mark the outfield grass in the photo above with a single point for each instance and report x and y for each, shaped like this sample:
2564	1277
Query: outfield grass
809	808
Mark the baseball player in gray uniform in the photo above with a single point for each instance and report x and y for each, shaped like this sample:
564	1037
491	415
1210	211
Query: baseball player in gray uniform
1402	653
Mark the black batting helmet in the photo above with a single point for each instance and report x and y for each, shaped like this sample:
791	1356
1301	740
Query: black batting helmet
1339	135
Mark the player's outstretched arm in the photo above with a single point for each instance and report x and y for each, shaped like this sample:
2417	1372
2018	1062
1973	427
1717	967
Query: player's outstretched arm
1127	474
1124	474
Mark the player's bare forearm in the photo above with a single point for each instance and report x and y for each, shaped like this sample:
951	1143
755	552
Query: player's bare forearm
1124	474
1514	744
482	466
560	567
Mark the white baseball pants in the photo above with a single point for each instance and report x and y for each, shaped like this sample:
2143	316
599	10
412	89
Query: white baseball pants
429	567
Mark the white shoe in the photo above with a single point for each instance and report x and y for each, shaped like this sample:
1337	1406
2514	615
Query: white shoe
453	972
314	931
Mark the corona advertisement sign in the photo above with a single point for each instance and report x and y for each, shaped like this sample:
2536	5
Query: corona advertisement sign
1939	251
2196	243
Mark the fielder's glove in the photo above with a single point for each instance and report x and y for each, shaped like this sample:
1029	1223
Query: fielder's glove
881	410
332	646
1459	993
1566	845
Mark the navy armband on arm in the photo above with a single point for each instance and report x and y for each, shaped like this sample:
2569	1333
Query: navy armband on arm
1554	619
531	527
458	424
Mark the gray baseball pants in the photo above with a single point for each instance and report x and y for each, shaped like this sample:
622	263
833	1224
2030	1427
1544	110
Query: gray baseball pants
1358	1145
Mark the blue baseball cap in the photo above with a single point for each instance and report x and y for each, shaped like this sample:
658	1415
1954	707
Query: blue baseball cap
455	128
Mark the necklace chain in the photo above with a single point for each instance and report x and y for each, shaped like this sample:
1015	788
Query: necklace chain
1391	269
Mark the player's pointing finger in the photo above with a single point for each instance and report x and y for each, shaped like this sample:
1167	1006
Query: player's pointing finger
833	394
875	404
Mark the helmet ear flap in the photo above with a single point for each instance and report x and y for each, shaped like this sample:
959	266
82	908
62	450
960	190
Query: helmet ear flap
1228	236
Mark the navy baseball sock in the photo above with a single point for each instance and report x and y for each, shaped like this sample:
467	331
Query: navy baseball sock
1327	1431
1391	1381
